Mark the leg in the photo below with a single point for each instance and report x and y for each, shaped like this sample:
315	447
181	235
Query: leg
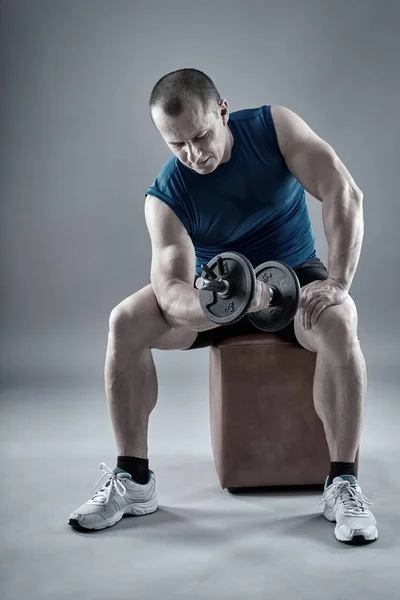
340	379
340	384
136	326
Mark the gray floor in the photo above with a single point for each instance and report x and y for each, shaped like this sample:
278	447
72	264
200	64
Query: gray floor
202	542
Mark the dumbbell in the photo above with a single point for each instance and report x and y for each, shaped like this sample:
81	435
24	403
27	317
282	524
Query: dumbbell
227	285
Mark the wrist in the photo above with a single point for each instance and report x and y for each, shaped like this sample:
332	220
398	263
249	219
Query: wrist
261	298
341	282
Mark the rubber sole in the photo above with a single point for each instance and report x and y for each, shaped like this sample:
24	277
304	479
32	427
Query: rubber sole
356	540
133	510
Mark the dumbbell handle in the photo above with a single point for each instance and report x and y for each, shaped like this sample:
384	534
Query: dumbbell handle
214	285
220	285
213	282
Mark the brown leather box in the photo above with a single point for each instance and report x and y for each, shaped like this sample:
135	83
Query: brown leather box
264	427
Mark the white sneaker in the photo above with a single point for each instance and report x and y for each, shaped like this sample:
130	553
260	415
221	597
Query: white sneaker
346	505
115	494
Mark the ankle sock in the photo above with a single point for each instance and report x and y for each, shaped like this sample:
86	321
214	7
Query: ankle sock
341	468
137	467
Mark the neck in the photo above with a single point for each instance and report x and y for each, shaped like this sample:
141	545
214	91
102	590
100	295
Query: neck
231	141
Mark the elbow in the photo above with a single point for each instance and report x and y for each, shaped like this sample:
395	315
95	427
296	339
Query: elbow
169	313
161	294
164	307
165	302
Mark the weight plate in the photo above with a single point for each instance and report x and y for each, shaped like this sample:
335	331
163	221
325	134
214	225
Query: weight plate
239	272
286	299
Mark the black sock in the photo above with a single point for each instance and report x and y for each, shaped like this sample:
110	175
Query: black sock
341	468
137	467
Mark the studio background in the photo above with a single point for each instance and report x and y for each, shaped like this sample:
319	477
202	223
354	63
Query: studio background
77	153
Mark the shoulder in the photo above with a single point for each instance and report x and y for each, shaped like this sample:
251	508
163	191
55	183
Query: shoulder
290	128
168	169
283	115
169	180
168	193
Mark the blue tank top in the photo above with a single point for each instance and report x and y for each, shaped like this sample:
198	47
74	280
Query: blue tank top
251	204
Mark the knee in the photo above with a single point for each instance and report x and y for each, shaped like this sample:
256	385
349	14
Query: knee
121	322
339	323
137	321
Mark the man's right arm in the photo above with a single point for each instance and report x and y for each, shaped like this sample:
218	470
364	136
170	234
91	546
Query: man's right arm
183	309
173	268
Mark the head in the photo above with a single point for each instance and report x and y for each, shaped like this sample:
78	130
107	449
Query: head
192	118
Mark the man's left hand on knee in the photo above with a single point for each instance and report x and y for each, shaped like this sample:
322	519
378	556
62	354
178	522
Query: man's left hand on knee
316	297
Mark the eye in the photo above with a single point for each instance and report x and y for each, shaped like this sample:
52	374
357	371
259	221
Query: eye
198	138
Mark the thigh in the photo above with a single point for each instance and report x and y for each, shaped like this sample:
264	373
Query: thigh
175	339
309	271
140	317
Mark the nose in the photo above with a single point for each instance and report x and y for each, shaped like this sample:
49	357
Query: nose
194	155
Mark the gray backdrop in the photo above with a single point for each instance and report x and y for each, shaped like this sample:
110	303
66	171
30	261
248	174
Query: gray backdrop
78	151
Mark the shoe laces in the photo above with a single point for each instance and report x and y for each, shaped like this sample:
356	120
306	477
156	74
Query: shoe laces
351	499
103	489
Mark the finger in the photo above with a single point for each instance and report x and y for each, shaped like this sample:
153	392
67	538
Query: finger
303	298
307	319
318	310
303	304
310	311
307	316
316	313
302	314
308	308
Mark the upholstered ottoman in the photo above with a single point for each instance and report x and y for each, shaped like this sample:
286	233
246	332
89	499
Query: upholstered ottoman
264	427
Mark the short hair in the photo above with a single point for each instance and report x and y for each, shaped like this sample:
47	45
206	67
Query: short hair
174	89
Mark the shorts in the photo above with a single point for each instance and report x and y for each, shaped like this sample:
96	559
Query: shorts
309	271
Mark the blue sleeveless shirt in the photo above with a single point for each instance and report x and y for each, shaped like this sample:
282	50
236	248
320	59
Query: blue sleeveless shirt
251	204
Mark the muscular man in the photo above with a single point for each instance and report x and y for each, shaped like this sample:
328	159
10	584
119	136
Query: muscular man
236	183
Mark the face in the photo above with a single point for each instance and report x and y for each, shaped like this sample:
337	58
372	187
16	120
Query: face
201	141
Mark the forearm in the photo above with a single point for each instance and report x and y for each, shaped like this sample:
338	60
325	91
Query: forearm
182	309
343	220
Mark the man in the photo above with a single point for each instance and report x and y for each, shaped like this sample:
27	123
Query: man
240	187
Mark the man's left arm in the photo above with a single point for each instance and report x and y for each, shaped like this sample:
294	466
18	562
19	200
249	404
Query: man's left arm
319	170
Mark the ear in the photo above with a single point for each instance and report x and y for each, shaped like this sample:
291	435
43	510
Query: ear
224	110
